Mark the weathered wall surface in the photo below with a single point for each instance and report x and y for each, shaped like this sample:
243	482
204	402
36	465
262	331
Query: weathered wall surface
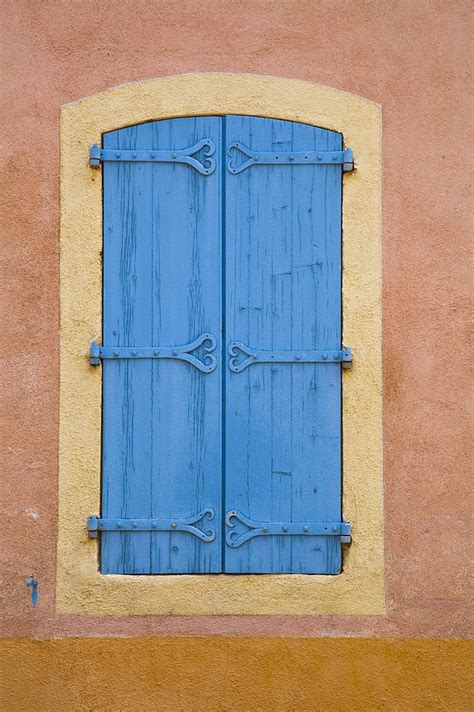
411	58
238	674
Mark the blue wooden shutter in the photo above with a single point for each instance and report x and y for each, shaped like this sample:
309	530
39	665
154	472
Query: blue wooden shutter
222	348
283	293
161	417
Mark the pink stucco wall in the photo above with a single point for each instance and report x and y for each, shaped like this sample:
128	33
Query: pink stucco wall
408	56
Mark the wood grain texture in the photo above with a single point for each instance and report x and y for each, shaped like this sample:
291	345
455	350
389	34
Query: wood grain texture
167	229
161	419
283	275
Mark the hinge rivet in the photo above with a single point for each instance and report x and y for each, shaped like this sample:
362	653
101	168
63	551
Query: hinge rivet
325	356
152	155
334	529
116	353
156	353
298	357
117	155
265	529
175	353
319	157
173	524
285	529
134	525
134	353
305	529
173	155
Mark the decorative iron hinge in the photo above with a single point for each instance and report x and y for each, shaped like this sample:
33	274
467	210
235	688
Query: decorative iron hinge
289	158
234	538
182	353
237	348
184	155
95	525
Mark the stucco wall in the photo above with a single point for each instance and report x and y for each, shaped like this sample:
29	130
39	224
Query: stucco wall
221	674
410	57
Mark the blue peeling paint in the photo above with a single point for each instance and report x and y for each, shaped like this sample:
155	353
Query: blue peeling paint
192	254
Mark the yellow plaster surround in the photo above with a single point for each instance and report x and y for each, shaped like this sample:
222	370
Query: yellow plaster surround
359	590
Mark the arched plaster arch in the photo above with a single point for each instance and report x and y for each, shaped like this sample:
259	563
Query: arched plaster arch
359	590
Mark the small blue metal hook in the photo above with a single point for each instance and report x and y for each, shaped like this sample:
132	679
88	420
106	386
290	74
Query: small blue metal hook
33	584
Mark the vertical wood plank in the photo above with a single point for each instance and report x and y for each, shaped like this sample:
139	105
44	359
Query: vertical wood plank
126	463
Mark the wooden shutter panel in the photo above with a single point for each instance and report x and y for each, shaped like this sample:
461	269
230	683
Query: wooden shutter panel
161	416
283	420
221	347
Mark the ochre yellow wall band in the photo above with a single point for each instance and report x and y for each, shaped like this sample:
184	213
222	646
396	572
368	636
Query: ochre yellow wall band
80	587
237	673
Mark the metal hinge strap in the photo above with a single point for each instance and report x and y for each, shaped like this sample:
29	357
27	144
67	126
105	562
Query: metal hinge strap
289	158
185	155
237	348
182	353
95	525
234	538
